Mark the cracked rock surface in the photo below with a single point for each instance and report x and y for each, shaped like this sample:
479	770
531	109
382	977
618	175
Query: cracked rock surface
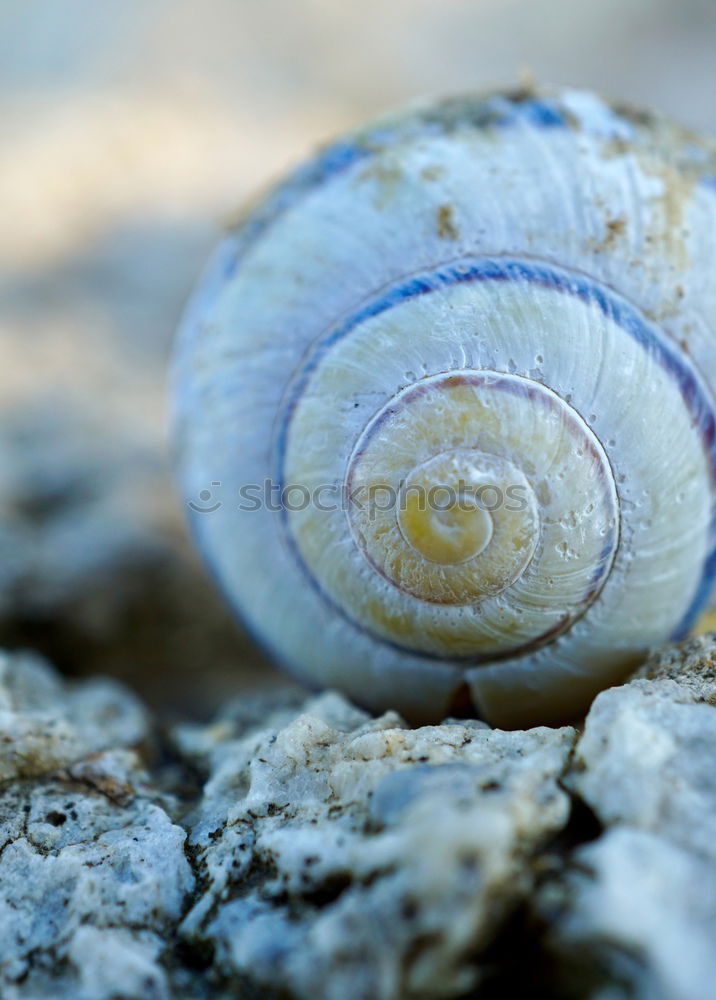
300	848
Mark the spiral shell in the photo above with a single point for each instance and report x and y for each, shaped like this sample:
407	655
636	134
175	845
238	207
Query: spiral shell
470	352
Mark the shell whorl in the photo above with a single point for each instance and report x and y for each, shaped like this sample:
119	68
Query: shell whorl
504	559
469	299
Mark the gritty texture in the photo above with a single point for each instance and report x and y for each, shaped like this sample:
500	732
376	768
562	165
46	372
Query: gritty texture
300	848
636	908
44	725
92	869
358	837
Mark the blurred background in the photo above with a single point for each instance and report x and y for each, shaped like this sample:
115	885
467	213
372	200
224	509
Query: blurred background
129	131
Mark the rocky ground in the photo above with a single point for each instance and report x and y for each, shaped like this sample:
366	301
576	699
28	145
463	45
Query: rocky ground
299	848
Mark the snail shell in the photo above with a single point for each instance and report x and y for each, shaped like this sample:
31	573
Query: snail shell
505	302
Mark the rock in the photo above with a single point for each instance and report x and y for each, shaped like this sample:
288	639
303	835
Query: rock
44	725
647	757
639	920
92	868
639	904
350	857
329	853
301	848
692	664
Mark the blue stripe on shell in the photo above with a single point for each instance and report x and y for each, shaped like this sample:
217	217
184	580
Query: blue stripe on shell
495	111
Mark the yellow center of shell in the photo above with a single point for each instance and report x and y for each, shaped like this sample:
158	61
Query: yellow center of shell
443	514
463	526
448	535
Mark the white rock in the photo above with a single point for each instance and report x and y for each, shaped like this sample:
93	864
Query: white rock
637	908
92	868
45	724
350	857
643	913
647	757
108	959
